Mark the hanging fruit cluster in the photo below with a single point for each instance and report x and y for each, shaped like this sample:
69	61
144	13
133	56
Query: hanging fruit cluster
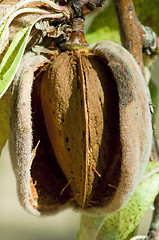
80	122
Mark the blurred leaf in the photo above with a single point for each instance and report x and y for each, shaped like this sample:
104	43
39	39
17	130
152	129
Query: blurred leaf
119	225
148	13
154	95
12	58
88	227
104	26
154	88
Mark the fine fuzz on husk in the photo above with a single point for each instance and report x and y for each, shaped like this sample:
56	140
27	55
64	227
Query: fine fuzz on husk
80	130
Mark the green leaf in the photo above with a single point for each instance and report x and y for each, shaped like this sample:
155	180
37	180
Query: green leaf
12	59
119	225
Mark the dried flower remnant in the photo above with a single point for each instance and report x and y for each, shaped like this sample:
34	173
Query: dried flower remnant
89	108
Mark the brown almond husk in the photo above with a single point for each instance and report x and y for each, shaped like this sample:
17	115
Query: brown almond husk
90	112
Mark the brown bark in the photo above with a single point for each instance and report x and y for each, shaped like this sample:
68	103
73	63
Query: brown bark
131	31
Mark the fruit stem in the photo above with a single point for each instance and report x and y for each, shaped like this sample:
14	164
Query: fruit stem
80	9
77	36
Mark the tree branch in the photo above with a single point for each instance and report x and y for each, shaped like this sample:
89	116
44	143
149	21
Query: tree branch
134	37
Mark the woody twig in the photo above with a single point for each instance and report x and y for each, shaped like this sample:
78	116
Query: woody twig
134	37
153	234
